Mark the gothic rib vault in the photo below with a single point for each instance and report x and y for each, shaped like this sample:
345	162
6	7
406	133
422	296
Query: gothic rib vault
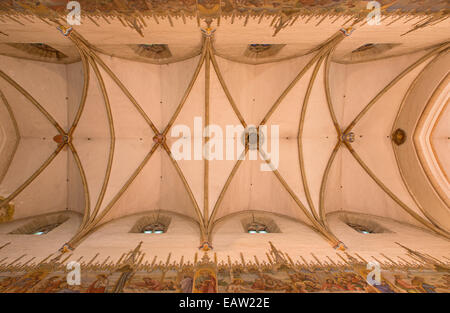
114	116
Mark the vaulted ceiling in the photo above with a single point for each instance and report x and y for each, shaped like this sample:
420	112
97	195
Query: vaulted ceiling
113	120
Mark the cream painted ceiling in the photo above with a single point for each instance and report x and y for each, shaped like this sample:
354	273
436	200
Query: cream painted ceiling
112	167
185	40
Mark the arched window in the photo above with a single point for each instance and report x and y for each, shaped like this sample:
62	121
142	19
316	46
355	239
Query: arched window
40	50
152	51
360	229
41	225
257	228
259	224
45	229
365	47
154	228
152	224
258	47
371	50
262	50
363	224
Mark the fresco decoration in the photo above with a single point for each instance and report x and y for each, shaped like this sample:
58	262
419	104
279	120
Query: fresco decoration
415	273
226	5
285	13
205	277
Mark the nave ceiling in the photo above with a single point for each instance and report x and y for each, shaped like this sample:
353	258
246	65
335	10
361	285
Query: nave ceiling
108	162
